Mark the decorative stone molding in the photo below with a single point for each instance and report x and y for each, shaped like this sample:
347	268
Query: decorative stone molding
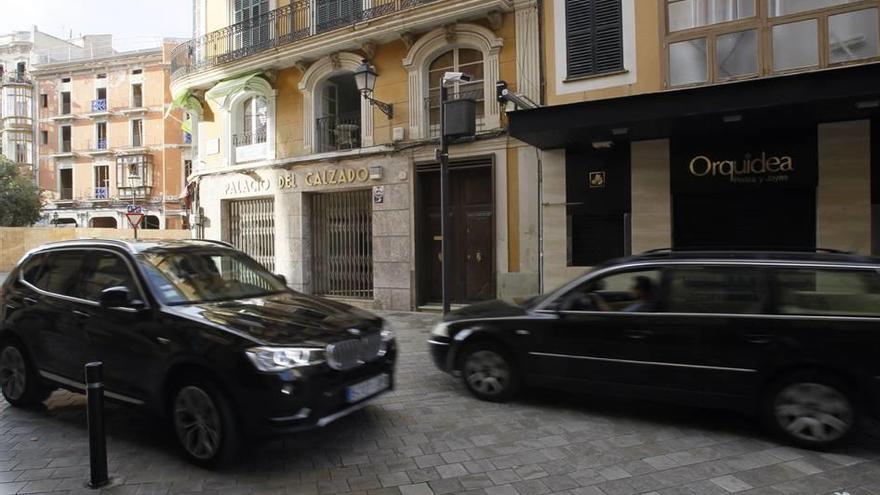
369	49
408	39
450	33
495	19
334	61
434	44
302	66
232	107
317	73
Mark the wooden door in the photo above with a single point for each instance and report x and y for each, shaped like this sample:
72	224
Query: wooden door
473	247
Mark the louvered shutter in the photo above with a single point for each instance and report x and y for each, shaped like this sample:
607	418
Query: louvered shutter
594	36
327	10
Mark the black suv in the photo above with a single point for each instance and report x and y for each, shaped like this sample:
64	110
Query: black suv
794	337
192	330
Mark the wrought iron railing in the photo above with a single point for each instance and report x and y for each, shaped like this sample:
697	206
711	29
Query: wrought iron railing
66	146
65	193
99	105
101	144
282	26
339	132
249	138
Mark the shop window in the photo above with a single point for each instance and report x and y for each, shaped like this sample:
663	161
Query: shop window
253	122
342	244
852	36
687	62
736	54
464	60
338	114
687	14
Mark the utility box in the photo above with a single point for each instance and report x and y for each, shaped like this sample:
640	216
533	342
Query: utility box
460	118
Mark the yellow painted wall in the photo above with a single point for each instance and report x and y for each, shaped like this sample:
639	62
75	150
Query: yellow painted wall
649	53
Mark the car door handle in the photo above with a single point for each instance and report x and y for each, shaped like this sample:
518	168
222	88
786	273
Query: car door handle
163	340
81	314
639	334
30	301
759	338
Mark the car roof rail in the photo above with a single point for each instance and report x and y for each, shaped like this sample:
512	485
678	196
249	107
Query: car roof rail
215	241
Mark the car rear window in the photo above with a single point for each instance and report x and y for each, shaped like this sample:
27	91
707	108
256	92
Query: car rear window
827	292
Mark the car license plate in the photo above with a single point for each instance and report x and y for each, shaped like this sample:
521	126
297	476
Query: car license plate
364	389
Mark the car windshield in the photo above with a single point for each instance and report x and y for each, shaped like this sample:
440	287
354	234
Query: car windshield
205	275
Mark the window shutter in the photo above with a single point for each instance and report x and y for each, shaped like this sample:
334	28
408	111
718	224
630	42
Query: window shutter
594	36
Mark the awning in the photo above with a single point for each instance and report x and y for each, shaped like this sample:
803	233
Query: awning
186	101
220	93
848	93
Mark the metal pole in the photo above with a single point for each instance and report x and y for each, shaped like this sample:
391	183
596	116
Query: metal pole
97	434
445	223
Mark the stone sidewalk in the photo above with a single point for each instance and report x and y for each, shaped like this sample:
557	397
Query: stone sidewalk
431	437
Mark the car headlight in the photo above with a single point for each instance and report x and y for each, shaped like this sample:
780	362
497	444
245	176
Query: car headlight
441	330
272	359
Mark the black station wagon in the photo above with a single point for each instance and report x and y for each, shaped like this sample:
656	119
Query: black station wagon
191	330
793	337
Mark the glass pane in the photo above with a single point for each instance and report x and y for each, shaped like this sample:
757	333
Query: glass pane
785	7
687	62
796	45
716	290
737	53
443	62
635	291
467	56
853	35
826	292
686	14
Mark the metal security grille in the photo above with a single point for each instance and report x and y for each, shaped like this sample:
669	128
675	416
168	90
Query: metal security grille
342	244
251	228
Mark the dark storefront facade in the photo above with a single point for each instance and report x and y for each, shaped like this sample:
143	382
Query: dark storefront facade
780	163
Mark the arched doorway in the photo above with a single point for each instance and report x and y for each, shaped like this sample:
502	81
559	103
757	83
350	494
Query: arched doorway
103	223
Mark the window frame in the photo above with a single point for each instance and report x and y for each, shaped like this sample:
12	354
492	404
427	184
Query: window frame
455	90
764	24
775	289
568	47
85	262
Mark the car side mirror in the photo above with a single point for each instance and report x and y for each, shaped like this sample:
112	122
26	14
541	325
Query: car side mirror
115	297
281	278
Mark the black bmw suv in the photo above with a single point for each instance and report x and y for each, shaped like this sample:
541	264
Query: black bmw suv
793	337
194	331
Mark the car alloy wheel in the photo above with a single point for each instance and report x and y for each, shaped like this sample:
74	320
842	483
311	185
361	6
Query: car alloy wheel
487	373
197	422
813	412
13	373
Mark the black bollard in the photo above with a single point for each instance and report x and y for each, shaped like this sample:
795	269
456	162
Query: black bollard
97	435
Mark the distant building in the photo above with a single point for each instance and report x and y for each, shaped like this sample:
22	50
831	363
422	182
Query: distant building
105	141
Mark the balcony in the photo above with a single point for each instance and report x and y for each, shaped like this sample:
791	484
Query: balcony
14	78
65	194
339	133
295	22
99	108
250	146
95	148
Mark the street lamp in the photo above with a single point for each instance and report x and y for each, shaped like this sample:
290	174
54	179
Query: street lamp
365	77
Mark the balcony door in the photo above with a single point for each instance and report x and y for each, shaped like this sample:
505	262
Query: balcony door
250	30
333	14
339	114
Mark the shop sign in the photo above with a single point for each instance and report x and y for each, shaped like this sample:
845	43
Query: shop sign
247	186
743	162
597	179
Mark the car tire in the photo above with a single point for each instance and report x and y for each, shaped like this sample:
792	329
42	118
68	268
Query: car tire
20	383
489	372
811	410
204	423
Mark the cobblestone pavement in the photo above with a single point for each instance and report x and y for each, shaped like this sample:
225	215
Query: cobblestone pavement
430	437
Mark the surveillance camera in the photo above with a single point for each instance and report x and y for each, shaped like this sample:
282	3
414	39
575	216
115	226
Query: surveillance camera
452	77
